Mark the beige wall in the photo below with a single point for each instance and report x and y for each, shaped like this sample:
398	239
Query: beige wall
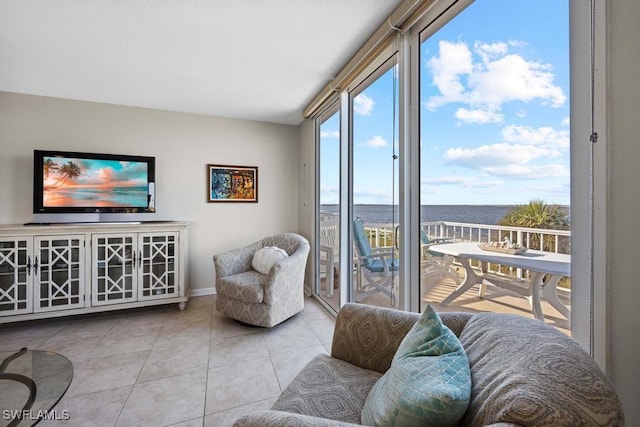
183	144
623	228
306	223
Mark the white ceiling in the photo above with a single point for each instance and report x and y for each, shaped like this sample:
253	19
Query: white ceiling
251	59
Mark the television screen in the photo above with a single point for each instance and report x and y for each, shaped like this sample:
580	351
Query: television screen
91	182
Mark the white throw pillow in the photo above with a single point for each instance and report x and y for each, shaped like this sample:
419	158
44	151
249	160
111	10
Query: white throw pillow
266	257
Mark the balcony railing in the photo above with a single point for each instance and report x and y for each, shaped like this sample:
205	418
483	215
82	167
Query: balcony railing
548	240
552	240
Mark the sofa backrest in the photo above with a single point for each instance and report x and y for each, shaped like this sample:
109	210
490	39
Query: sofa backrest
525	372
369	336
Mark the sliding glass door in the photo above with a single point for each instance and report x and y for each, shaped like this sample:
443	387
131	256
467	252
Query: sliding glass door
327	284
374	188
494	153
455	123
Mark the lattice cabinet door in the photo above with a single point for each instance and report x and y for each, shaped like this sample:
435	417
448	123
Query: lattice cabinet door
114	260
16	275
58	266
158	266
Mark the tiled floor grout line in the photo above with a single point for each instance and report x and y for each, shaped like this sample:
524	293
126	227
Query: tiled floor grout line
206	382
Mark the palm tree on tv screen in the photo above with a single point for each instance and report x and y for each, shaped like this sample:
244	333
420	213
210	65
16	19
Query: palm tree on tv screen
49	167
68	171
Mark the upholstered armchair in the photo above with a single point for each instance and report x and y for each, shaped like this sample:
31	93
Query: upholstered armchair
264	298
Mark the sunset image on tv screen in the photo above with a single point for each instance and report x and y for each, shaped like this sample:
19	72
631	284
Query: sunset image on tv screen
94	183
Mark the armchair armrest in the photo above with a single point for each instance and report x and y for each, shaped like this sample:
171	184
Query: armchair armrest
368	336
378	255
269	418
287	276
235	261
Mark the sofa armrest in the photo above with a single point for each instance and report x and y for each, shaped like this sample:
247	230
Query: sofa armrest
269	418
235	261
368	336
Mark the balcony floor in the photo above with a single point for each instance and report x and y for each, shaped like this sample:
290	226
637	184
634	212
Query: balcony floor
495	300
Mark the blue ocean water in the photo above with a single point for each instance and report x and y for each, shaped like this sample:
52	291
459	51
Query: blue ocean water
384	214
92	196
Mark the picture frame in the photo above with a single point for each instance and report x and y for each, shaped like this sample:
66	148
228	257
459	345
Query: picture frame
232	184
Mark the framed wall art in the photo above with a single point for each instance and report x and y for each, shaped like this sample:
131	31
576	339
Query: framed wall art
229	183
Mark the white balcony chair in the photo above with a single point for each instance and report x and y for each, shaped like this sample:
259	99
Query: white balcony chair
434	262
329	252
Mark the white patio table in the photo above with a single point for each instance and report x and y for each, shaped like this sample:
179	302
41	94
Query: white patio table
552	265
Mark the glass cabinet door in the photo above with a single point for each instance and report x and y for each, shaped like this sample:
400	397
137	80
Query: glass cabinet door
58	267
15	276
114	263
157	266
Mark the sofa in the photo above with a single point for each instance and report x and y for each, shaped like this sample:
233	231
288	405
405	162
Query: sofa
523	373
262	298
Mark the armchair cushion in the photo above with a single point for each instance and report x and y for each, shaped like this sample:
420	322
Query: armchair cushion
266	257
429	382
247	287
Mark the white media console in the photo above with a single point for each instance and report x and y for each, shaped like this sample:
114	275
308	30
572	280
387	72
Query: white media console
64	269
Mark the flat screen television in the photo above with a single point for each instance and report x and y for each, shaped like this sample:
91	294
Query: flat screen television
73	182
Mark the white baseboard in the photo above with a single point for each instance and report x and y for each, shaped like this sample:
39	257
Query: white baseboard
200	292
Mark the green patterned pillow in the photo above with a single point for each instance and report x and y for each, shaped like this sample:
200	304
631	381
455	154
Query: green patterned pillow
428	383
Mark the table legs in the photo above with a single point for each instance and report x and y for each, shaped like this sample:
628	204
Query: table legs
470	279
550	293
535	287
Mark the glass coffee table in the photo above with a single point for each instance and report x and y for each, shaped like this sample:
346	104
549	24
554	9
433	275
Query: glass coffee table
31	383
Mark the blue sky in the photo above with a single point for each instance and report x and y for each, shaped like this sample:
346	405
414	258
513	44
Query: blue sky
494	108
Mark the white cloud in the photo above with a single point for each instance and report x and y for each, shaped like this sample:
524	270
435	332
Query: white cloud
446	180
490	51
466	181
566	121
454	61
497	155
489	77
367	196
512	78
329	195
546	136
330	134
480	116
377	141
363	105
529	171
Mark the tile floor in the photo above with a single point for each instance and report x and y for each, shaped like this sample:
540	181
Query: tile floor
162	367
